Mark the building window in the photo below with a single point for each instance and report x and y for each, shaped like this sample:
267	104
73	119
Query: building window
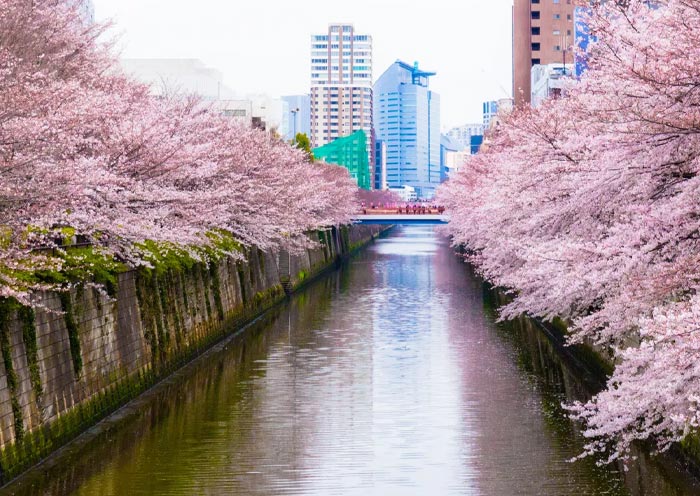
535	61
535	47
535	31
535	14
557	16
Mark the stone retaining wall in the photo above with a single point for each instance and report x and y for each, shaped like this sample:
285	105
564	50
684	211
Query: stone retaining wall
67	367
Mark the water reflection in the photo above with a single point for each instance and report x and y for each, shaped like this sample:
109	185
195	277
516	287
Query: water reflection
388	377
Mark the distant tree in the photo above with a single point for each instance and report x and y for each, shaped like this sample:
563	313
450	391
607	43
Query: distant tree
377	196
302	141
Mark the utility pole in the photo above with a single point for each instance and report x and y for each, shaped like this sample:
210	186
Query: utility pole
294	113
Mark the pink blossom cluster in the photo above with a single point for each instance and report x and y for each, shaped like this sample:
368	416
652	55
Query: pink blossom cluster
82	145
588	209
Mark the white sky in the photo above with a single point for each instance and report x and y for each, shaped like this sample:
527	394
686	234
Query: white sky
262	46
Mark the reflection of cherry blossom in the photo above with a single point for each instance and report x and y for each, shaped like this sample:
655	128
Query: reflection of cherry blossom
81	145
588	208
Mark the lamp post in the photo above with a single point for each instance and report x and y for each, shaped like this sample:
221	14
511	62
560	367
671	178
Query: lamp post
294	113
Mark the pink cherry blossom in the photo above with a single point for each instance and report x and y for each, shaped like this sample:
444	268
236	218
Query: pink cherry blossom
587	208
82	145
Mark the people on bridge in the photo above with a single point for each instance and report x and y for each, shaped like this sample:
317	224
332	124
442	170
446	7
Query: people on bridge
402	208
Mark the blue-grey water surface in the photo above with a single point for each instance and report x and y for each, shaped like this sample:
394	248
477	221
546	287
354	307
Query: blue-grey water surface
388	377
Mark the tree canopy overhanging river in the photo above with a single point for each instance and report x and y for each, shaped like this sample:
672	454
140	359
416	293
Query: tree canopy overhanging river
387	377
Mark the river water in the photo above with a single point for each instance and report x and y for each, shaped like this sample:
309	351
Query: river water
387	377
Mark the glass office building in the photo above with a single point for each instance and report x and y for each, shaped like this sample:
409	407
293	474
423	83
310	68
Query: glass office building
407	119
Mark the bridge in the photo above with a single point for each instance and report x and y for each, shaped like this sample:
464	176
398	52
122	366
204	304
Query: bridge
398	219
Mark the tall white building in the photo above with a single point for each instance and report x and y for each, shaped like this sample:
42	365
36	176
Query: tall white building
179	76
341	85
463	134
192	76
548	81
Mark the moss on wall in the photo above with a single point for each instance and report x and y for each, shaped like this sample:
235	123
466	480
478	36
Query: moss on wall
28	321
35	445
168	300
241	280
72	327
7	308
216	290
146	288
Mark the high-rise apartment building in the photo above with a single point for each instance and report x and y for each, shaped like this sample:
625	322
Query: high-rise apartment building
407	120
341	85
463	134
543	33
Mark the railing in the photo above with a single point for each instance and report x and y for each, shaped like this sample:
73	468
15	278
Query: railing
397	219
404	210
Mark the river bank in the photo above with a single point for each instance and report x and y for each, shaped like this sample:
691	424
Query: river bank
578	372
69	365
387	376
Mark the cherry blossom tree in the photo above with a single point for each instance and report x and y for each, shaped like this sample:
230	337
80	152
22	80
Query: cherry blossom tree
587	208
376	197
84	147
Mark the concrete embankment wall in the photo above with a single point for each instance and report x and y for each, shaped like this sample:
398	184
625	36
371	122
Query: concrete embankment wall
65	367
592	363
588	368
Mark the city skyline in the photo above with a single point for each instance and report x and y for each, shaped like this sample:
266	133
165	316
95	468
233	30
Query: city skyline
192	302
254	44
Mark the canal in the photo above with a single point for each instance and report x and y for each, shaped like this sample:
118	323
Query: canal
387	377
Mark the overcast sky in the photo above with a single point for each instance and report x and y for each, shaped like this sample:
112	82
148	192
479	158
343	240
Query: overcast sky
262	46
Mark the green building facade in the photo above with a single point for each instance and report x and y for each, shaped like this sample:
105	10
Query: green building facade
350	152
